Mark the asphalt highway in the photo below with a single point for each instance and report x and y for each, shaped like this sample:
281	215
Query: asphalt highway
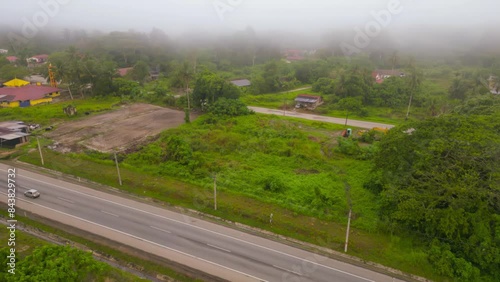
214	249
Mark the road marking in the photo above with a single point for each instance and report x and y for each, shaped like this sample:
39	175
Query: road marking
199	228
144	240
65	200
284	269
219	248
159	229
112	214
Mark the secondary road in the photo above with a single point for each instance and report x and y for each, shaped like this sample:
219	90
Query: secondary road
214	249
350	122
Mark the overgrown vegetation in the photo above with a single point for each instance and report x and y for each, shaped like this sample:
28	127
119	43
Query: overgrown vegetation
37	260
440	178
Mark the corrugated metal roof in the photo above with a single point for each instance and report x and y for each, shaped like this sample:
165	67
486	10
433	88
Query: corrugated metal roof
12	136
241	82
305	100
29	92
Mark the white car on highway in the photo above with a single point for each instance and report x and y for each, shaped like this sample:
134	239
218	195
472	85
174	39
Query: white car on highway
32	193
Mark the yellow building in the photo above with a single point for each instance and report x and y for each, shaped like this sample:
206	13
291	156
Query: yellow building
20	94
16	83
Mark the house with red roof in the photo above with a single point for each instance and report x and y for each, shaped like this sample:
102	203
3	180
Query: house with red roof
12	59
38	59
25	96
294	55
124	71
381	75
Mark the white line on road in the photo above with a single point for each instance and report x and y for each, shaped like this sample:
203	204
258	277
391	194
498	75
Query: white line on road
147	241
284	269
112	214
159	229
200	228
219	248
65	200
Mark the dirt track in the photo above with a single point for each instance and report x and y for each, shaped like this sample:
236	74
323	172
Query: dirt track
118	129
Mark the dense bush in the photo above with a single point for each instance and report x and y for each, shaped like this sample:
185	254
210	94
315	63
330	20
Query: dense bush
440	179
229	107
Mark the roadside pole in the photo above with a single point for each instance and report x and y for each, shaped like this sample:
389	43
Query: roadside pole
215	191
347	233
70	93
349	202
118	170
40	149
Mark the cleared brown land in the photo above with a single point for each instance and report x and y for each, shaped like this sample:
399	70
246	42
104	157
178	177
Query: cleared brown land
116	130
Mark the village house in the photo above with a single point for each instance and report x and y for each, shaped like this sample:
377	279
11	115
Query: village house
309	102
38	59
241	82
12	59
124	71
13	133
381	75
20	93
4	51
294	55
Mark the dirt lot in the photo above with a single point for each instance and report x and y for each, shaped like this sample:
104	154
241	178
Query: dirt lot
118	129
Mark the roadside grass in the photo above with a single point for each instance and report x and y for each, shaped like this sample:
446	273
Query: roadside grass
273	100
374	114
26	244
278	101
264	165
49	114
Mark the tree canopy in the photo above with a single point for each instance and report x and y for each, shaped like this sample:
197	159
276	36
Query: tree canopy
440	177
209	87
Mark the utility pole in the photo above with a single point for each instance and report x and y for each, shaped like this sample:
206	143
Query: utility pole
346	117
347	233
215	191
118	170
284	107
348	194
71	95
40	150
409	106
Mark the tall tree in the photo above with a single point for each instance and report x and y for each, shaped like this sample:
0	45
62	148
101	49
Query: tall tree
414	81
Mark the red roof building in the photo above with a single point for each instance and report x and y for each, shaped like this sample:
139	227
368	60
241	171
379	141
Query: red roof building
38	59
124	71
294	55
12	59
381	75
25	96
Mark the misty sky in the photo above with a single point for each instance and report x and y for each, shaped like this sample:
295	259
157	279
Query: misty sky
175	16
